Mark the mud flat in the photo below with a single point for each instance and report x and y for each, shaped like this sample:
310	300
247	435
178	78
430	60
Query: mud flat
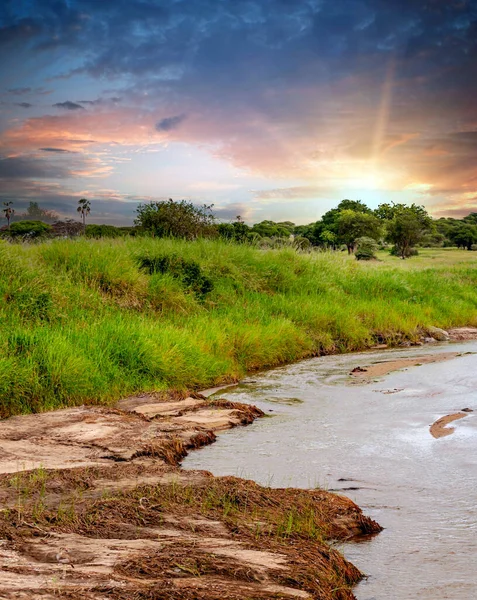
95	506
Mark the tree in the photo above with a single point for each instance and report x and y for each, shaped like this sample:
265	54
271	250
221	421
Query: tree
271	229
176	219
8	211
464	236
237	231
353	225
84	207
407	227
328	238
471	218
35	213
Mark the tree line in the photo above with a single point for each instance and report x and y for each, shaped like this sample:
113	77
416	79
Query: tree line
351	225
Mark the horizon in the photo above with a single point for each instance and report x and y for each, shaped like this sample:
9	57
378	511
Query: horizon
272	109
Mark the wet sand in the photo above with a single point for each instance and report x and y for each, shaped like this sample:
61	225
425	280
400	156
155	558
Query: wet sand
439	428
378	369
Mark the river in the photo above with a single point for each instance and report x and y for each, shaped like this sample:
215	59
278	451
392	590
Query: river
371	442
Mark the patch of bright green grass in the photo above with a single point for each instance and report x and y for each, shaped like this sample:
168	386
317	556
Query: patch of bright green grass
80	321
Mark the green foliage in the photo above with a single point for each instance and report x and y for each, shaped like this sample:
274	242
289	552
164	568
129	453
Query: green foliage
81	322
188	271
29	229
237	231
176	219
352	225
270	229
366	248
464	235
408	226
397	251
109	231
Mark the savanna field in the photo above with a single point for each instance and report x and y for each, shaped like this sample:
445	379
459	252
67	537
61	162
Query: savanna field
94	320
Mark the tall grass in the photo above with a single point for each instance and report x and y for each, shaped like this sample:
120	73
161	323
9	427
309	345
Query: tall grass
80	321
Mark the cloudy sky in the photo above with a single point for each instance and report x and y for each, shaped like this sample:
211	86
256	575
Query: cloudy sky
267	108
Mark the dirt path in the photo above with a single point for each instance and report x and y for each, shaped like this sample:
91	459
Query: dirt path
95	506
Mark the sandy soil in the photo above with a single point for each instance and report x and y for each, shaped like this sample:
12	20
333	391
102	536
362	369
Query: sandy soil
438	429
95	506
378	369
462	333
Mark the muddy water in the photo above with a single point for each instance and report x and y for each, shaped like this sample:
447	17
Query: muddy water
371	441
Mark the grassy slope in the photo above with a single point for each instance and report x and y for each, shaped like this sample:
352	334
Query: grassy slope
79	322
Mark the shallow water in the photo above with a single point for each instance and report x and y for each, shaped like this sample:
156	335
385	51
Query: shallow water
326	432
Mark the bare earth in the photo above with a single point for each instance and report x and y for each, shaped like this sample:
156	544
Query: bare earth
95	506
384	367
438	429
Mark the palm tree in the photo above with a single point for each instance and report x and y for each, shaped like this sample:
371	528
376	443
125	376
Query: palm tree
84	207
8	212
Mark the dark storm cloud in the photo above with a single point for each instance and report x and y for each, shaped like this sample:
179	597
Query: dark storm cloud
24	104
57	150
275	83
68	105
100	101
170	123
24	167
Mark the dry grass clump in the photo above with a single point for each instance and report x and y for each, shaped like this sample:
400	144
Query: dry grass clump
296	525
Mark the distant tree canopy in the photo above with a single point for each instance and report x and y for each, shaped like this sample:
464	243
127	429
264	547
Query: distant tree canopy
351	224
34	212
176	219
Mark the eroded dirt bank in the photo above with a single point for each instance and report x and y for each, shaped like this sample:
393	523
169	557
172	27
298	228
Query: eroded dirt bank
95	506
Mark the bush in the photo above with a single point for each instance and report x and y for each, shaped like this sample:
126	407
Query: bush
187	271
366	248
395	251
28	229
99	231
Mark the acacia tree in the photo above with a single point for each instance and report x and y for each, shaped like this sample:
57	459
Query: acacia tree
84	207
8	211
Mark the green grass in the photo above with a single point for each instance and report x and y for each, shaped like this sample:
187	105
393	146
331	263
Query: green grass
80	322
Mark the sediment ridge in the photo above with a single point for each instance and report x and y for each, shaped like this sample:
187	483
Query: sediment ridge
96	506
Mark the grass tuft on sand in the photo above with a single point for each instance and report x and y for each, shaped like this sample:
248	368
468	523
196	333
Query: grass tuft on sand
81	321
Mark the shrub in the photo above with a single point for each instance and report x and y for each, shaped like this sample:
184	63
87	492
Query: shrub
28	229
176	219
187	271
99	231
395	251
366	248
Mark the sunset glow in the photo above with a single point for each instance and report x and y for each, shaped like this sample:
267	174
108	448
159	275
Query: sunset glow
270	109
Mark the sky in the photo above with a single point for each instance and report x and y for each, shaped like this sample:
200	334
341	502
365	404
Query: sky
268	109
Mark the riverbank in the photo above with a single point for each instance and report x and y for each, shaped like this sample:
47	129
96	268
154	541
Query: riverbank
91	321
95	506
